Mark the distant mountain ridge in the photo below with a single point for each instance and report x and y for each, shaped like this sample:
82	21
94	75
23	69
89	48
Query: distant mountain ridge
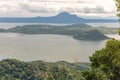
63	17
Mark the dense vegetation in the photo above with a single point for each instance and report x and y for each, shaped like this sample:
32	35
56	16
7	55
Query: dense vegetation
118	8
118	14
78	31
105	63
12	69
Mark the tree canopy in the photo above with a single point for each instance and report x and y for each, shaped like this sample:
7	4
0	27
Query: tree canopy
12	69
107	60
118	7
105	63
118	12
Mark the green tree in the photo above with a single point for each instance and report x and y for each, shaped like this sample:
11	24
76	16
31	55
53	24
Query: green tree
118	10
119	31
107	60
12	69
118	7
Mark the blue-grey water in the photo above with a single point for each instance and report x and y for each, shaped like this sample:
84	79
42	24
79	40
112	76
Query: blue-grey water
109	25
45	47
11	25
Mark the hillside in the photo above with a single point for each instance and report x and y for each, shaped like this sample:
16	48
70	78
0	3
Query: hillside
75	30
12	69
63	17
90	35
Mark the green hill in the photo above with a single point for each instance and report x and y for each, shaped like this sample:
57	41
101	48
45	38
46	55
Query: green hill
90	35
78	31
12	69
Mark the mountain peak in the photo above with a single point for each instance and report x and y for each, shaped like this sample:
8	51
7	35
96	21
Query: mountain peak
65	14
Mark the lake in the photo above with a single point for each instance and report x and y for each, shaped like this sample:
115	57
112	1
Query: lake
11	25
109	25
46	47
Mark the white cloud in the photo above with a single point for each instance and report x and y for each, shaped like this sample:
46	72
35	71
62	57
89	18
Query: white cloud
51	7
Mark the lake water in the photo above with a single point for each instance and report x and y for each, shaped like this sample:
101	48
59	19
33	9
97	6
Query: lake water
11	25
46	47
109	25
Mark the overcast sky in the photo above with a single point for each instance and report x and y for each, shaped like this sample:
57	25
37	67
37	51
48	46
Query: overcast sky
31	8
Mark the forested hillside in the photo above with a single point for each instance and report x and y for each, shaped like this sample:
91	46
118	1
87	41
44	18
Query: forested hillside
12	69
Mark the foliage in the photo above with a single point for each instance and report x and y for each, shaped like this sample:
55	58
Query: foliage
106	62
12	69
94	75
118	7
119	31
118	10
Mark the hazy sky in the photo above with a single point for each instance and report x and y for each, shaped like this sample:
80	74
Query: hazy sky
18	8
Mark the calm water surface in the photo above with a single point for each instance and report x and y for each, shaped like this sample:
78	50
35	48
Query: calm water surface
109	25
46	47
11	25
